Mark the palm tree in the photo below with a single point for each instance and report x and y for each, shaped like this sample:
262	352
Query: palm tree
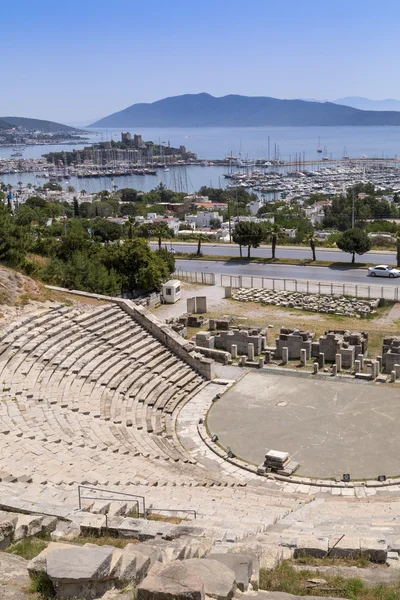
200	239
311	239
274	233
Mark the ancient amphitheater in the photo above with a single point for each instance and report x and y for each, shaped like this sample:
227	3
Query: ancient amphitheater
110	398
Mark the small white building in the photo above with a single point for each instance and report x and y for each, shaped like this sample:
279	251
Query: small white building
203	218
171	291
255	206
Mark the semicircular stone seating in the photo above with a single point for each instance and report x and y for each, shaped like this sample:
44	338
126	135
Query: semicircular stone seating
91	397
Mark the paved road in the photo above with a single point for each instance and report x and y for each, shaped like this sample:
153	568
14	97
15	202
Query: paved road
346	275
283	252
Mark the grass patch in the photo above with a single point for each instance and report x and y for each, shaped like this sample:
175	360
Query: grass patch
362	561
284	578
103	541
41	586
165	518
28	548
133	513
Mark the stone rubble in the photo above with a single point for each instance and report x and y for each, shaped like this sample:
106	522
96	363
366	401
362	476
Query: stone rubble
334	305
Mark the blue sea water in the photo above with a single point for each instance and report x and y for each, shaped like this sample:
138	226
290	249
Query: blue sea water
219	142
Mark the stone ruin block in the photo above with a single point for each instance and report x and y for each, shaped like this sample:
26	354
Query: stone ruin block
191	305
329	344
204	339
195	321
348	357
349	344
241	339
390	353
201	304
279	462
221	324
358	339
196	305
295	340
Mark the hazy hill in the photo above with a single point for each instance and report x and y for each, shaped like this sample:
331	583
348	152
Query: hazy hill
203	110
4	124
37	124
367	104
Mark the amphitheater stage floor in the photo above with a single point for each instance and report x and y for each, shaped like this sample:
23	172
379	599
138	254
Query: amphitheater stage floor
330	427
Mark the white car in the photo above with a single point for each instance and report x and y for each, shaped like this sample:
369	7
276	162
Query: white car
383	271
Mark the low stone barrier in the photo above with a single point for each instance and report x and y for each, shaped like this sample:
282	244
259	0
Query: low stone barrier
339	305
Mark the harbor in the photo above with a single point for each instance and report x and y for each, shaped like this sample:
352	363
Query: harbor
276	180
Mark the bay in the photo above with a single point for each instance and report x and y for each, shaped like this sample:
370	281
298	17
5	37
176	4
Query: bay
219	142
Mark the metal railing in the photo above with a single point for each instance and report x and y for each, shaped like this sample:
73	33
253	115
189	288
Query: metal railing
138	501
134	498
357	290
195	277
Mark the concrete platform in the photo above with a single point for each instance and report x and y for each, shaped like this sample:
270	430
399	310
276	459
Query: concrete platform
330	427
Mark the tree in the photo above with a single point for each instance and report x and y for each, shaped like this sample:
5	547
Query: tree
76	239
14	240
247	234
25	215
273	232
36	202
76	207
311	239
200	238
215	224
354	241
155	229
136	265
128	195
107	231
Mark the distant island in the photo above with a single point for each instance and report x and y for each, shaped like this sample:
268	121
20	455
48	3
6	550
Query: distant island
204	110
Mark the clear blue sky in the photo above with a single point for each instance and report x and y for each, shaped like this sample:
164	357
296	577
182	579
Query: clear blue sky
80	60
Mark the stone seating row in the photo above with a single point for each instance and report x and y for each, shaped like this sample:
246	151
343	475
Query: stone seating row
231	513
90	383
97	404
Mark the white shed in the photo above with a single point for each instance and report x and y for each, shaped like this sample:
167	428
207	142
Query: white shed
171	291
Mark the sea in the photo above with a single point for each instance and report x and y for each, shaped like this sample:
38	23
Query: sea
209	143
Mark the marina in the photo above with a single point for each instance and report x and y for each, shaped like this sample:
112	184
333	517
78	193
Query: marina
280	180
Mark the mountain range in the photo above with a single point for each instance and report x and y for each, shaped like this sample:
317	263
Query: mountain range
367	104
204	110
36	124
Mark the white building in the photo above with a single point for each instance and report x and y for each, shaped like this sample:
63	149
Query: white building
203	218
254	219
255	205
196	198
316	212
